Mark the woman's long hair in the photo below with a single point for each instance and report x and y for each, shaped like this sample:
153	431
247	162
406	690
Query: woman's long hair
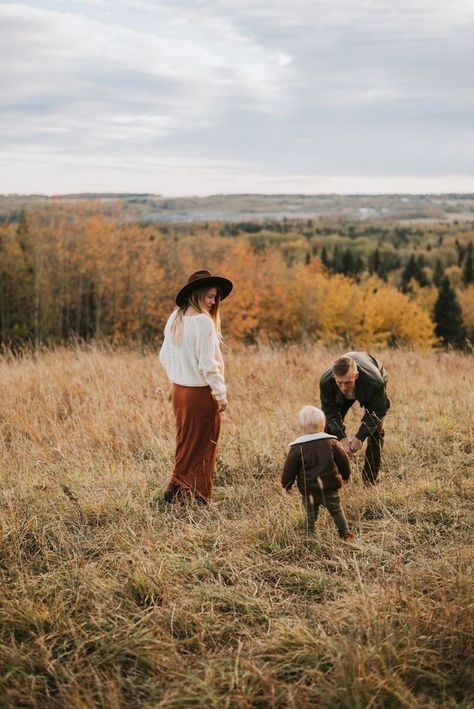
197	301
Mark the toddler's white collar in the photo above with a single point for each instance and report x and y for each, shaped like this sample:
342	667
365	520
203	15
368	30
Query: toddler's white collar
311	437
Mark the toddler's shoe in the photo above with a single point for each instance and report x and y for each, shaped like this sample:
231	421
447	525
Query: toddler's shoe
348	537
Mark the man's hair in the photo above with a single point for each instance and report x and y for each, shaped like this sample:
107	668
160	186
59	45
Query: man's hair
343	366
312	418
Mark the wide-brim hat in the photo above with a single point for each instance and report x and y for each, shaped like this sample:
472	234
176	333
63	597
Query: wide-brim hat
204	279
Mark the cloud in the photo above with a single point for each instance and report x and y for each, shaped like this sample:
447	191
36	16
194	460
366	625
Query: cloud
314	87
77	47
83	90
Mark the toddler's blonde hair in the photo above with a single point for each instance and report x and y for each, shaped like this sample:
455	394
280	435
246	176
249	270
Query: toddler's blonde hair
312	419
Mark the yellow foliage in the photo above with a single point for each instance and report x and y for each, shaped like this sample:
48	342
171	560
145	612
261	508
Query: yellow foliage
119	280
425	296
466	300
401	321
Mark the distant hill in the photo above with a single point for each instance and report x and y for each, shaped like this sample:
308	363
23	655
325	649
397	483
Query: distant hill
239	207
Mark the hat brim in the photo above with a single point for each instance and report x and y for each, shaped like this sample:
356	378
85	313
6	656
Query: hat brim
223	284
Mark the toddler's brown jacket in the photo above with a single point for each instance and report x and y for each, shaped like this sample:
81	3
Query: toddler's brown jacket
317	462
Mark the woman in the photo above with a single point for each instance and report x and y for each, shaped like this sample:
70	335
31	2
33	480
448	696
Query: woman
193	362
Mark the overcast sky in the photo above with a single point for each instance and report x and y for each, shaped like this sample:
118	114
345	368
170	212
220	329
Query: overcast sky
222	96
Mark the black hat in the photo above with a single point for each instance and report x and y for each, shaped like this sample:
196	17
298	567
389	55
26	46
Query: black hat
201	279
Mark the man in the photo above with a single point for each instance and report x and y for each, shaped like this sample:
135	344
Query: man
357	376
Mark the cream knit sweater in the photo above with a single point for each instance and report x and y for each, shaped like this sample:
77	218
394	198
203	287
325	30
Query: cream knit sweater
196	361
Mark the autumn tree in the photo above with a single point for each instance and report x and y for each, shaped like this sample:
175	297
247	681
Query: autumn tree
466	301
17	287
83	272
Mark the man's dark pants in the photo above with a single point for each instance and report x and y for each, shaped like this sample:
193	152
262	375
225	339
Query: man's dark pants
373	455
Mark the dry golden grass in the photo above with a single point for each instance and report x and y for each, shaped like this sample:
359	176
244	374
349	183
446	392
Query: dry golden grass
110	600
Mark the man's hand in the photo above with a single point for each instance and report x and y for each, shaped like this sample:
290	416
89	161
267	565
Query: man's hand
346	444
221	405
355	445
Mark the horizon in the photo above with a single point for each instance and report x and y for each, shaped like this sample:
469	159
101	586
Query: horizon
155	195
118	194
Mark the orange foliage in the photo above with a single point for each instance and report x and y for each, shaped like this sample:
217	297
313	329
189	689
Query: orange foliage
98	277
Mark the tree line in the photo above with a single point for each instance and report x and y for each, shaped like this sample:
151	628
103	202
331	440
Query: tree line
76	275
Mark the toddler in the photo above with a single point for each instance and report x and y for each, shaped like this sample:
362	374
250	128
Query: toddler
319	465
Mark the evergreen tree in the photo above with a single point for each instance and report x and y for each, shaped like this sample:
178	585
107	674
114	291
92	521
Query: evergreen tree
438	274
449	325
461	251
347	265
421	275
378	264
358	264
374	262
325	258
468	270
413	269
408	273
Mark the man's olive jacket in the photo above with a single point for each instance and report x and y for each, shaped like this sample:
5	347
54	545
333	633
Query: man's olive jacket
369	392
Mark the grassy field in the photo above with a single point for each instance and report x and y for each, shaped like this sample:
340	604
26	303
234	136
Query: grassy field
110	600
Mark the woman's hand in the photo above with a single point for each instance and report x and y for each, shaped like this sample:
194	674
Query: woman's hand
221	405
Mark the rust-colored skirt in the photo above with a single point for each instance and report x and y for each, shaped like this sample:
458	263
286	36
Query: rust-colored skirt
197	431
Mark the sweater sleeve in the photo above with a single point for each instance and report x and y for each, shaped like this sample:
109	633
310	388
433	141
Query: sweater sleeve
291	467
209	357
342	460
